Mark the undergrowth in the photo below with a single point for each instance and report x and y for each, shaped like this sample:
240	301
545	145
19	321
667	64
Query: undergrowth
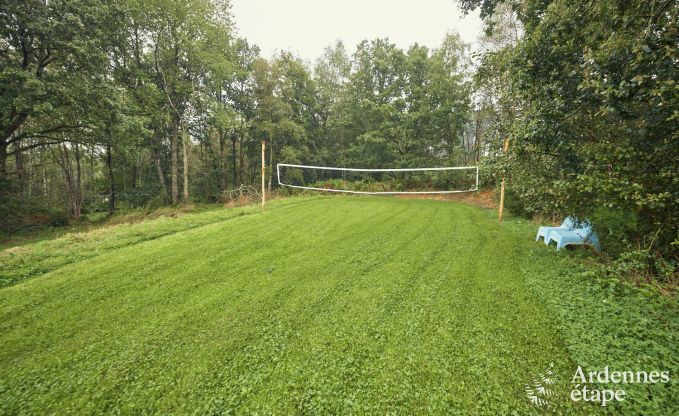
607	320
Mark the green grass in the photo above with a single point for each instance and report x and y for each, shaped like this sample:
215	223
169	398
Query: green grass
94	221
316	305
22	262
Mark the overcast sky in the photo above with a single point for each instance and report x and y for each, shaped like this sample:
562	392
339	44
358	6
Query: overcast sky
308	26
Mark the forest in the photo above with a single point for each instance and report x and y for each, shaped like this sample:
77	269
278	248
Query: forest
107	106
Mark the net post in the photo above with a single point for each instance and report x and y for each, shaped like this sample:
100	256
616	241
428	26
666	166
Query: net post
263	172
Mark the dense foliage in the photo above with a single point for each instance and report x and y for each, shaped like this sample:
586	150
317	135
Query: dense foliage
143	103
588	97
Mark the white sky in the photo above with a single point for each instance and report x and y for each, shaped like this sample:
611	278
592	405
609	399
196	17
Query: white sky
306	27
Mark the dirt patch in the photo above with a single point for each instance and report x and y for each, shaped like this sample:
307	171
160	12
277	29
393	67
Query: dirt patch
483	199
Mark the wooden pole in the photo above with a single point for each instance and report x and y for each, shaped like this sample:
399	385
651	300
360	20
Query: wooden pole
263	172
505	146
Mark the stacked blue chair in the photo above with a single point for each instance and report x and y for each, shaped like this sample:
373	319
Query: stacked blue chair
543	232
570	233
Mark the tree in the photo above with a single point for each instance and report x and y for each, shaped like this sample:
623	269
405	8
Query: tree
446	102
408	108
377	104
185	38
273	115
331	75
598	137
53	58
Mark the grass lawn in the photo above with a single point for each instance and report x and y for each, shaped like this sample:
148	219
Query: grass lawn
316	305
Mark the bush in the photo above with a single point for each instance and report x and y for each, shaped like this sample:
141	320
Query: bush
58	219
514	204
597	131
615	228
22	214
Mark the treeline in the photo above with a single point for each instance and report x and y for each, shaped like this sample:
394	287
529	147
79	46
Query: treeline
144	103
587	93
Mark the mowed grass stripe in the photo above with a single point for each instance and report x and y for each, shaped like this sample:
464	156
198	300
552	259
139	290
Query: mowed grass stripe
332	305
356	326
128	288
393	304
346	290
310	288
139	324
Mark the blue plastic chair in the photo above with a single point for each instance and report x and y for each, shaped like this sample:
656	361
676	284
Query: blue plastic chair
583	235
543	232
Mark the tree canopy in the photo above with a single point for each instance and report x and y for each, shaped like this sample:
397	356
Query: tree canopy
588	98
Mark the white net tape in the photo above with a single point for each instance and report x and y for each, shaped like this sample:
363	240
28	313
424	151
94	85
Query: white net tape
470	179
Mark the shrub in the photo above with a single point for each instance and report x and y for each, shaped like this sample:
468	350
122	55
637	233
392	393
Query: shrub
23	213
58	218
615	228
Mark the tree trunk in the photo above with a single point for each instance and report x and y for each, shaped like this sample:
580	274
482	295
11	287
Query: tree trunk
233	159
65	164
222	162
19	162
241	164
92	183
44	176
161	174
174	168
3	169
19	168
158	161
270	165
112	189
185	145
78	184
31	156
477	139
71	179
133	182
